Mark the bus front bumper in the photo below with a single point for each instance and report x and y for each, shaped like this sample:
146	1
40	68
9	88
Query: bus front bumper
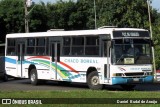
125	80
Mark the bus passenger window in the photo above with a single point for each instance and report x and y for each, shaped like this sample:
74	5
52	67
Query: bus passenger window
40	46
66	45
30	46
30	50
31	42
77	51
40	50
11	47
77	45
66	50
92	45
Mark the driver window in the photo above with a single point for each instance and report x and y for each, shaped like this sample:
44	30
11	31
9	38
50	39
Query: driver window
118	51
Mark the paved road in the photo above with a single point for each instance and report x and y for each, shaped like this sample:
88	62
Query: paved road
24	84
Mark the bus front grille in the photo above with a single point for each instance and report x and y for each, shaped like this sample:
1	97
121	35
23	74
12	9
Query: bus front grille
134	74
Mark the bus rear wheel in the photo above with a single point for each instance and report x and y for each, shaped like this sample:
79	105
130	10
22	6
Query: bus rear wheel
5	78
34	77
93	81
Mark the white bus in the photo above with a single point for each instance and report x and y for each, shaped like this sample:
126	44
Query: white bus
104	56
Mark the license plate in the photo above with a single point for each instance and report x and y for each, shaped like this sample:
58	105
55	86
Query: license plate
135	79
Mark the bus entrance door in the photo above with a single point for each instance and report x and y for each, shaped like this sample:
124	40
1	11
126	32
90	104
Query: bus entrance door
55	56
106	53
21	51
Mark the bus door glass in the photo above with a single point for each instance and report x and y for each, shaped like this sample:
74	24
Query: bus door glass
106	53
55	56
20	52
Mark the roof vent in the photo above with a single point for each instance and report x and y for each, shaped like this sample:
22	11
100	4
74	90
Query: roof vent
55	30
103	27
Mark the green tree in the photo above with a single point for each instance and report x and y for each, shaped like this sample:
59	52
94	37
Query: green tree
78	19
122	13
86	8
156	37
38	18
62	15
2	30
12	14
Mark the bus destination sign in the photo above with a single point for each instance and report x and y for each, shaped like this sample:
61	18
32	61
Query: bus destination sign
130	34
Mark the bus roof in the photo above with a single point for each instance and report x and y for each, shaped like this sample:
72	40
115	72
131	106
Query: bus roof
71	33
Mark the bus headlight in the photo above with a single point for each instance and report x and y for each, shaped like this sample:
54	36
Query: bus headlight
117	74
149	73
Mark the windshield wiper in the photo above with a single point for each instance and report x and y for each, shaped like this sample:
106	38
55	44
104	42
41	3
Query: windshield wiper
120	58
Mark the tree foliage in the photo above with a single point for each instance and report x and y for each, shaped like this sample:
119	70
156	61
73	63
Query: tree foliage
11	17
38	18
156	38
12	14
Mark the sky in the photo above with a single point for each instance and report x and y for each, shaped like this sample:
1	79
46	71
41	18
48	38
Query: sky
155	4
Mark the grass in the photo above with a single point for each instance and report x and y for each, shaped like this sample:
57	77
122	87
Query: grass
79	94
59	95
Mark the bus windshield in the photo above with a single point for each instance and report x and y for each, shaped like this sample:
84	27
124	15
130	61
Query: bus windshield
131	51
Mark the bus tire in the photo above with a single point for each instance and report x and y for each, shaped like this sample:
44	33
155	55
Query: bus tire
127	87
34	77
5	78
93	81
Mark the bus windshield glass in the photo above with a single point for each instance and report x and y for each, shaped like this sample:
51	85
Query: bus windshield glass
131	51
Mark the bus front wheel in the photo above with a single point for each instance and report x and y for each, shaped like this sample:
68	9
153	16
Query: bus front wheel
93	81
33	77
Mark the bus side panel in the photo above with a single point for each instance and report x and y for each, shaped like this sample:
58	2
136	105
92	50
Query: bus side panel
11	66
71	69
42	64
75	68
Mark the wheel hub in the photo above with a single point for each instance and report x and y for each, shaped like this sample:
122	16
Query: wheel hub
95	80
33	77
